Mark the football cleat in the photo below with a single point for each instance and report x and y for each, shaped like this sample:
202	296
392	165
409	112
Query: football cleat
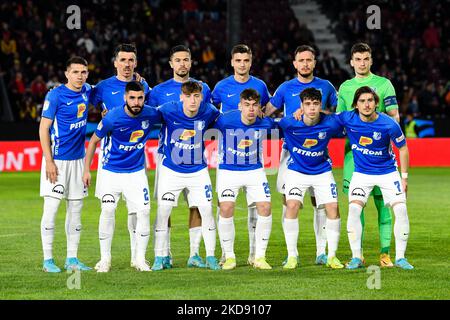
321	259
334	263
212	263
167	262
50	266
251	260
104	265
355	263
404	264
261	264
142	266
229	264
158	264
75	264
291	263
385	261
196	262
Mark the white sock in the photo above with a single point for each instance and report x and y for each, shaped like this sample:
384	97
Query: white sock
227	236
48	225
251	225
333	231
208	229
73	226
217	222
320	217
132	221
161	230
262	235
169	253
106	226
354	229
283	216
401	229
195	237
291	236
142	233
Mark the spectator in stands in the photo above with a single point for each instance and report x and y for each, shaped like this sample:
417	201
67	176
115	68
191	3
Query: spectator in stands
38	88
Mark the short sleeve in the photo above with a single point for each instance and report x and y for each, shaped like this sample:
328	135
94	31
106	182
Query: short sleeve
396	134
278	98
215	96
153	98
265	95
104	126
50	105
95	98
206	93
332	97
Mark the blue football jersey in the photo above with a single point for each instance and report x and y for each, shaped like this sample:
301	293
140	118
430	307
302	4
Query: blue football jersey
168	91
241	145
287	96
68	109
109	93
371	142
227	91
308	145
183	136
125	150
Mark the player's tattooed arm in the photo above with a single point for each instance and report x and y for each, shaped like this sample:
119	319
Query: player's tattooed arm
90	151
404	165
51	170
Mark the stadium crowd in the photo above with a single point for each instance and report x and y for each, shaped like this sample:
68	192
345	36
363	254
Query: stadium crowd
35	43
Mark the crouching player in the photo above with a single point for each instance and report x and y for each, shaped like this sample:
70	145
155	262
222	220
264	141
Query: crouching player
370	134
310	167
240	158
124	171
184	168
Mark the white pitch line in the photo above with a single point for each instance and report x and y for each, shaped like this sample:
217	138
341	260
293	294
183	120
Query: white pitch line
12	235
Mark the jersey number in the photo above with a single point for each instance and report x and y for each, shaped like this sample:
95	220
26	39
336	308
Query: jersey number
266	188
333	190
208	191
145	194
397	184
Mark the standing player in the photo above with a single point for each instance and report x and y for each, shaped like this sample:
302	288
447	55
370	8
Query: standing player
240	164
183	168
109	94
124	171
226	95
370	134
286	97
361	61
62	133
310	167
180	61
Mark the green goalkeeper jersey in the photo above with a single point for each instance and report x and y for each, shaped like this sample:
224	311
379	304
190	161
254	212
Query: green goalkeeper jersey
382	86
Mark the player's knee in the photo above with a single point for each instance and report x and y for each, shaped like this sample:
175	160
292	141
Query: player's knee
264	209
227	209
74	206
332	210
143	222
292	207
108	210
358	202
400	210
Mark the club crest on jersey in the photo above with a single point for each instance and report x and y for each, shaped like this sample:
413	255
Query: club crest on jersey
84	97
135	135
376	135
365	141
257	134
200	125
322	135
81	110
145	124
46	105
309	143
187	134
245	144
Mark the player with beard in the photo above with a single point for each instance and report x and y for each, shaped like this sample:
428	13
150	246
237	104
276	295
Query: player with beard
287	97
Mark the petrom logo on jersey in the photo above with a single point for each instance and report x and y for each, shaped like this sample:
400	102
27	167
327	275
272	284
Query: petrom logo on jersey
245	144
135	135
309	143
81	110
187	134
365	141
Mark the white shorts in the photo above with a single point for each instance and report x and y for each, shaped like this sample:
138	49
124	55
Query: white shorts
281	180
69	183
323	184
197	185
390	184
132	186
254	183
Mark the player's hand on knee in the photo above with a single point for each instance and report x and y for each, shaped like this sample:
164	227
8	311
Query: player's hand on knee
51	171
87	179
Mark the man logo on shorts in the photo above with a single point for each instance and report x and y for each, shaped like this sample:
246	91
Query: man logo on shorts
295	192
59	188
358	192
168	196
365	141
309	143
227	193
108	198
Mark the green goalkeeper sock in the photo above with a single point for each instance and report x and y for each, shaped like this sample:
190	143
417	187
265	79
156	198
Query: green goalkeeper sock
384	224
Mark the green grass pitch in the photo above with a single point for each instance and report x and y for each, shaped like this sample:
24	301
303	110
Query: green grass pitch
21	254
